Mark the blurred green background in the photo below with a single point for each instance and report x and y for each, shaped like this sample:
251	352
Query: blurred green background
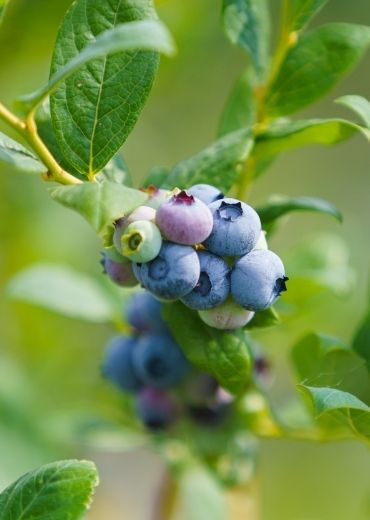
49	365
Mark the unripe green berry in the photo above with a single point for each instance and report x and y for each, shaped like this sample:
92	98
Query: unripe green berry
141	241
227	316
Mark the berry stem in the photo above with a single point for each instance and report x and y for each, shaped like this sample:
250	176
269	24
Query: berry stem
28	130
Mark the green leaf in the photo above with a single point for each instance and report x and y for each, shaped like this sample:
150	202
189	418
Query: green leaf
200	495
359	105
222	353
112	89
285	135
132	36
320	262
361	341
280	205
321	360
342	407
3	6
219	164
240	108
246	24
18	157
262	319
99	203
63	290
115	170
302	11
315	65
58	491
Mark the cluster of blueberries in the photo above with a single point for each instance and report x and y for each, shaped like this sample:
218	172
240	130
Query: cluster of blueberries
149	364
198	246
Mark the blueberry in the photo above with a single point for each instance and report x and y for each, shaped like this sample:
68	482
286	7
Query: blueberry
173	273
156	408
118	268
261	242
118	363
140	213
206	193
159	361
213	286
156	196
258	279
141	241
143	312
236	228
227	316
184	219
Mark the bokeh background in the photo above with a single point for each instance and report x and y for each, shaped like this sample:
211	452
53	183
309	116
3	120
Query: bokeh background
49	365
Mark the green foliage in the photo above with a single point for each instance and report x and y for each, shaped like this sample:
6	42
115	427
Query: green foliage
319	263
58	491
157	176
247	24
3	4
63	290
342	408
100	203
279	205
300	12
311	68
219	164
224	354
285	134
359	105
89	138
263	319
240	108
200	495
18	157
361	341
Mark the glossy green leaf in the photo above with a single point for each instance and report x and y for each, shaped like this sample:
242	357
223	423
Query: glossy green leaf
99	203
240	108
285	135
200	495
342	407
219	164
112	89
361	341
246	24
263	319
132	36
319	263
65	291
19	157
222	353
280	205
58	491
359	104
302	11
321	360
311	68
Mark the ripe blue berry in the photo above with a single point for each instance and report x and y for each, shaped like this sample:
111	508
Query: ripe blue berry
156	408
213	286
173	273
118	268
236	228
143	312
227	316
141	241
258	279
184	219
118	363
206	193
159	361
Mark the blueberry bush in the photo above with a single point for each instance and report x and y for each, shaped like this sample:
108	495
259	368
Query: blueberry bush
189	276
